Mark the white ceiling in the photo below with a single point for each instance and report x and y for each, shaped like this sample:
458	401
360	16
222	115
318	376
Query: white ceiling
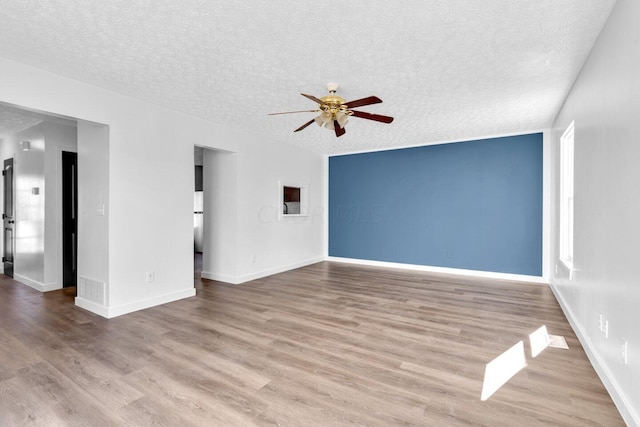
446	70
14	119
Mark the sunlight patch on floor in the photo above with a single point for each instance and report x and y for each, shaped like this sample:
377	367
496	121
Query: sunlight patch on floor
539	340
502	368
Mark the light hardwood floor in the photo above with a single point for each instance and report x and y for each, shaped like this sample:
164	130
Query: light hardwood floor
325	345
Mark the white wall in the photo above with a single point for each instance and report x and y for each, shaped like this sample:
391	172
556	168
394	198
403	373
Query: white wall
150	217
58	138
29	208
267	244
243	234
219	249
605	104
93	214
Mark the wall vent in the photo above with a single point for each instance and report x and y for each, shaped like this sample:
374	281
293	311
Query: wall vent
92	290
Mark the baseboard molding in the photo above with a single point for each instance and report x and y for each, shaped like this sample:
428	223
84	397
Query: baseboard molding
111	312
443	270
42	287
93	307
219	277
617	395
236	280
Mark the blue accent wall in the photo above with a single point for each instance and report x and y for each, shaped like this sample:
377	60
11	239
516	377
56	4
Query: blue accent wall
473	205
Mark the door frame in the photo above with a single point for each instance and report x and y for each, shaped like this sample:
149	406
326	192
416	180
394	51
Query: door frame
59	259
13	216
69	219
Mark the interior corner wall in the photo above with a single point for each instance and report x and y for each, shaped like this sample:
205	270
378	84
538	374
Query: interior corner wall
604	104
474	205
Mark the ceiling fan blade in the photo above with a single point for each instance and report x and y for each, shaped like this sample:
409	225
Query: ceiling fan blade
313	98
291	112
369	116
339	131
362	102
304	125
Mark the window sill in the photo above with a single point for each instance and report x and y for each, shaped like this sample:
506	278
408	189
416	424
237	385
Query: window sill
283	217
570	266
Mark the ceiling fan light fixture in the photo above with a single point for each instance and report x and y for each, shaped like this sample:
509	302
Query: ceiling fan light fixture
325	119
342	118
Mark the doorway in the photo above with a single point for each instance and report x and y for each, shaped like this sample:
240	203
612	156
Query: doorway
8	217
198	212
219	219
69	218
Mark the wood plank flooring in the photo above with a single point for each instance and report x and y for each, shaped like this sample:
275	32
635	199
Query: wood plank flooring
326	345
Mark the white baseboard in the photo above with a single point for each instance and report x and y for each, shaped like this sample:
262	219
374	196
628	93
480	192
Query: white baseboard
236	280
627	411
219	277
443	270
42	287
93	307
111	312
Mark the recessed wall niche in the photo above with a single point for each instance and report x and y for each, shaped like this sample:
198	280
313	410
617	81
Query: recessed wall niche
293	199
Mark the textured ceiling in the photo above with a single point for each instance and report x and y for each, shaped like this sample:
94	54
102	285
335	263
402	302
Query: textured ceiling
446	70
14	120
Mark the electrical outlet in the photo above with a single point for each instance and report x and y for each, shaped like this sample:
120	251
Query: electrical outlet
625	351
601	322
150	276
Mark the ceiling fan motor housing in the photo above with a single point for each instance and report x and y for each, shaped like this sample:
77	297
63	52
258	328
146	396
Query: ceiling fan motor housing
333	104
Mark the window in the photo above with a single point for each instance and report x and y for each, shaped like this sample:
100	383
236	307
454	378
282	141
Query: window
566	197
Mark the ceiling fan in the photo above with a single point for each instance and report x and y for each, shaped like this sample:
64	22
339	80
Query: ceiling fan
335	111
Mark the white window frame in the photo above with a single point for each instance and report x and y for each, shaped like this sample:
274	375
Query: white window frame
566	224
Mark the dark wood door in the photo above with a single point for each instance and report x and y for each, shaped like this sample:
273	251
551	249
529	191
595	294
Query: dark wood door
69	218
8	217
